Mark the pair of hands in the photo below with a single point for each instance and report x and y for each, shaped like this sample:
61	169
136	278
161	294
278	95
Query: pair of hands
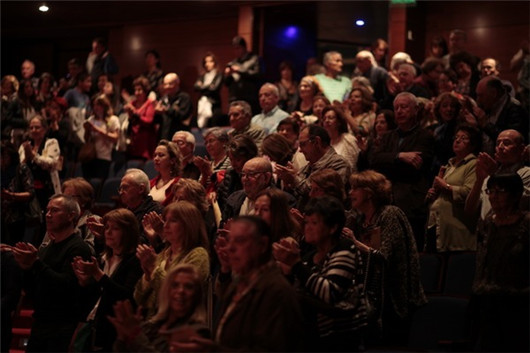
25	254
85	270
286	173
413	158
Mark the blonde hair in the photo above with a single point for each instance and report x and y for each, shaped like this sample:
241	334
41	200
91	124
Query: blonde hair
195	193
192	223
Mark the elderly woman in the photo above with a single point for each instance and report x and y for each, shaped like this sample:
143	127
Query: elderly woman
185	233
384	236
344	143
215	140
141	114
167	162
453	230
330	276
360	114
180	315
307	90
501	282
115	276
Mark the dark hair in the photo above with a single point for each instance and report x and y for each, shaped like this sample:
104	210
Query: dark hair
129	226
465	57
430	64
174	155
209	54
330	209
511	182
330	181
286	64
318	131
143	82
475	137
81	77
278	148
342	125
376	184
291	122
389	118
44	76
239	41
261	229
366	98
101	41
10	150
496	84
439	41
451	75
282	222
156	55
242	146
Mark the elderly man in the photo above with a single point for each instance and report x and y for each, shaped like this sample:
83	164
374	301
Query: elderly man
259	311
186	144
134	194
334	86
27	72
404	157
173	110
271	114
58	299
240	115
502	111
509	152
406	75
315	144
242	75
364	61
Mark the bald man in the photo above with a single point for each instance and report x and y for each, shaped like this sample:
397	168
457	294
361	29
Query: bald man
173	110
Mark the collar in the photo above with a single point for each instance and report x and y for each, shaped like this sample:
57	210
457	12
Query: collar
271	112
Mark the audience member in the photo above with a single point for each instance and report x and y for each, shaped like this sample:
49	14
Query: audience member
438	48
153	70
271	114
185	141
272	205
77	96
377	75
27	72
384	122
327	182
240	122
215	140
307	90
209	86
334	86
100	61
430	74
174	109
287	87
290	129
360	111
465	67
379	50
344	143
168	163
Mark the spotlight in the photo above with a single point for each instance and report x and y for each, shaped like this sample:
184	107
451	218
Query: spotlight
291	32
43	7
359	23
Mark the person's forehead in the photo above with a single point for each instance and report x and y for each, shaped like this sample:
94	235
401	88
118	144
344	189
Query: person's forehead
402	101
506	136
56	204
240	229
250	166
236	109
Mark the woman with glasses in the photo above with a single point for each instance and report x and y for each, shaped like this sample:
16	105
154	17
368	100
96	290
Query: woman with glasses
448	226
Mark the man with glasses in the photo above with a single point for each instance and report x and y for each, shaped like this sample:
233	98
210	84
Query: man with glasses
186	144
509	158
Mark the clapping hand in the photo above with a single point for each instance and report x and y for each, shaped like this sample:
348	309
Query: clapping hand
126	322
95	226
147	256
153	224
25	254
286	251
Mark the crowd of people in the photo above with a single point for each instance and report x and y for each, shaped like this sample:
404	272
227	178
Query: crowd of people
302	227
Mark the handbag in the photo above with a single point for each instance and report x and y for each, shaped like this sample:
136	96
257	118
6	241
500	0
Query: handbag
87	152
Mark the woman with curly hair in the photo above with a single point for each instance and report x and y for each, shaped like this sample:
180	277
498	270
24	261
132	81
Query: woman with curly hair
344	143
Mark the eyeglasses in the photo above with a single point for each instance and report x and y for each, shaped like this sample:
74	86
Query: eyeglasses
303	143
496	191
461	138
250	174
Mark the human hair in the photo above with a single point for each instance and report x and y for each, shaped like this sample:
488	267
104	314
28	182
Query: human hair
197	314
342	124
330	209
143	82
192	224
292	123
366	54
45	76
286	64
412	98
218	132
70	206
451	75
375	183
22	92
139	178
195	193
242	146
475	136
42	120
511	182
211	55
13	81
81	77
101	41
495	83
189	136
174	155
463	56
260	228
330	182
379	42
245	107
315	85
454	102
389	118
321	97
278	148
154	53
439	41
430	64
398	59
283	223
130	230
318	131
105	103
361	81
367	99
239	41
10	150
272	87
409	68
459	32
83	190
328	55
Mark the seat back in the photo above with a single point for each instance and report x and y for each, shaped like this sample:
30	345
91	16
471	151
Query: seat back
460	273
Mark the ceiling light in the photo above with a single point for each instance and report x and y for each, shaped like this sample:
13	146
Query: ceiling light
43	7
359	23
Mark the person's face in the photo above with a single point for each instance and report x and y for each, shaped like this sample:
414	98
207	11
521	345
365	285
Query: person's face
356	100
379	52
45	85
462	144
305	89
171	86
288	132
27	70
108	89
315	230
507	150
102	81
359	197
253	179
57	218
54	112
150	60
139	92
262	208
405	112
73	70
113	235
445	84
36	130
28	89
214	146
307	147
380	125
209	64
181	294
99	110
173	229
286	74
239	51
98	48
335	64
267	99
237	162
86	84
456	42
7	88
447	110
434	75
185	147
316	191
161	159
131	193
318	107
406	78
363	64
437	51
329	122
488	68
244	248
462	69
238	119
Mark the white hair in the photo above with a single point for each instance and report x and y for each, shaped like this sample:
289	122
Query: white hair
139	177
363	54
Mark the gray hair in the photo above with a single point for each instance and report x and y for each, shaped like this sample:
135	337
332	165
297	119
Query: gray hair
189	136
245	107
218	132
273	87
412	98
139	177
408	67
328	55
69	204
363	54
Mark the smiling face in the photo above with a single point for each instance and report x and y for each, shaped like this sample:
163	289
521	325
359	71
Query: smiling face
182	291
447	110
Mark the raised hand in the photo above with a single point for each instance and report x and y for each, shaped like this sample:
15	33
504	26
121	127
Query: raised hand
126	322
